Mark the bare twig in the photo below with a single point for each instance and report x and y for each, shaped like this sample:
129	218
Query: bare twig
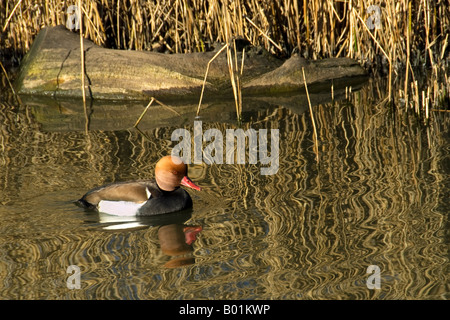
93	25
206	75
234	80
148	106
264	34
83	91
145	110
371	35
10	16
316	146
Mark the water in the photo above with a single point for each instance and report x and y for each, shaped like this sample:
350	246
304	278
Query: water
377	195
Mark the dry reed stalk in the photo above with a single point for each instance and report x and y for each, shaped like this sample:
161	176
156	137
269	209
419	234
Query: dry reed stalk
390	76
426	15
93	26
305	19
118	23
206	75
263	33
414	90
372	36
332	91
408	50
10	15
242	61
176	28
153	99
144	112
233	79
82	68
316	139
444	47
238	81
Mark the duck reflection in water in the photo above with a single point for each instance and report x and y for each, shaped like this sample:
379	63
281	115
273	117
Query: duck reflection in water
176	239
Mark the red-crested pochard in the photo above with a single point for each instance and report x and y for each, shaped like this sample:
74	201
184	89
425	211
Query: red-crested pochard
145	197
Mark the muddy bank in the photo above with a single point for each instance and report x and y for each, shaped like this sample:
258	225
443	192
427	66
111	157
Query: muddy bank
52	68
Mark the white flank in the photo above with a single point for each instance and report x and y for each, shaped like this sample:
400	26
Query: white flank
120	208
123	226
107	218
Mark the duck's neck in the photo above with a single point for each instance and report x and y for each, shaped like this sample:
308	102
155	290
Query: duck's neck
166	191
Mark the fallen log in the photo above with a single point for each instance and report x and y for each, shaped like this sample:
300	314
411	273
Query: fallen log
52	68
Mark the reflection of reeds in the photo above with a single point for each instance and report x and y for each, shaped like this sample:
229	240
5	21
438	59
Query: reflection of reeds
306	233
318	240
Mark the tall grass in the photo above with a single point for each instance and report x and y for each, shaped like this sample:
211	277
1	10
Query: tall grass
408	34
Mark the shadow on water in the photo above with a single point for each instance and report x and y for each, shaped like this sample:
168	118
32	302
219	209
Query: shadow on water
377	196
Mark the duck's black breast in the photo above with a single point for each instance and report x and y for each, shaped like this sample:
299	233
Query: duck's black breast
162	202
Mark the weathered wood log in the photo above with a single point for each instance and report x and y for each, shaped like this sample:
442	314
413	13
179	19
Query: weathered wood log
52	68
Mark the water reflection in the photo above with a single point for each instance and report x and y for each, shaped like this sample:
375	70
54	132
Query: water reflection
377	196
176	239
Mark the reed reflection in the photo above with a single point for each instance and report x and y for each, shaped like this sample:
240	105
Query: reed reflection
378	196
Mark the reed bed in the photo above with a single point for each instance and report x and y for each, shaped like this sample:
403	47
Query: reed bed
397	39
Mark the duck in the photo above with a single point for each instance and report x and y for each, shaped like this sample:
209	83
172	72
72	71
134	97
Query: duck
161	195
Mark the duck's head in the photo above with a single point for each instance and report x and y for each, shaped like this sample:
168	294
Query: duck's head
171	172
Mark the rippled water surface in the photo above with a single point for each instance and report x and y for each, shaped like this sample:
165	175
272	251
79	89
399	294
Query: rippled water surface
377	194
